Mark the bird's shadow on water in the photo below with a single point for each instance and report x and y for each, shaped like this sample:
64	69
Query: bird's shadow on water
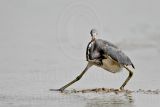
109	99
125	100
104	97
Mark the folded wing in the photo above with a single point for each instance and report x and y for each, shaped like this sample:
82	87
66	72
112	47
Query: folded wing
116	54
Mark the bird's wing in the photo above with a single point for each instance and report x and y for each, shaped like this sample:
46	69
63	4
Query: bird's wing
101	42
117	55
111	44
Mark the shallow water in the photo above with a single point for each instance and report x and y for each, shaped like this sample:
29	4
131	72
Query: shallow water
90	99
42	47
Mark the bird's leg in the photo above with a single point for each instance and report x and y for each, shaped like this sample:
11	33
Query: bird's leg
76	79
128	78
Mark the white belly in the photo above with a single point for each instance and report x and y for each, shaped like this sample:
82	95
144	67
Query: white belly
110	65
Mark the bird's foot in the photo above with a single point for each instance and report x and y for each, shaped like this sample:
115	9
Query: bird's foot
121	88
61	90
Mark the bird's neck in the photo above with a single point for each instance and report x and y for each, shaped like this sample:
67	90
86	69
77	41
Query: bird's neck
93	38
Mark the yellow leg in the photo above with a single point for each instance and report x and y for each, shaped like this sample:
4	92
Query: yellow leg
128	78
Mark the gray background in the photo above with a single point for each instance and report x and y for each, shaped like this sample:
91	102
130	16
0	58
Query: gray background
43	42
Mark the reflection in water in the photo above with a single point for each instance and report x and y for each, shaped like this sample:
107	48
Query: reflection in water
113	98
125	100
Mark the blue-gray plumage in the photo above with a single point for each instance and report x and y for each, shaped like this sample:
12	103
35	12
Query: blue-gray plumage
102	49
106	55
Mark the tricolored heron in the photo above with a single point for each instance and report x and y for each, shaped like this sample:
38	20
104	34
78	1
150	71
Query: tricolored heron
106	55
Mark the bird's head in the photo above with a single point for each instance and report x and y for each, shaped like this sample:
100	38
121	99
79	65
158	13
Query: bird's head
93	33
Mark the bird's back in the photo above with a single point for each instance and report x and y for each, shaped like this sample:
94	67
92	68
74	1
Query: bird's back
114	58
